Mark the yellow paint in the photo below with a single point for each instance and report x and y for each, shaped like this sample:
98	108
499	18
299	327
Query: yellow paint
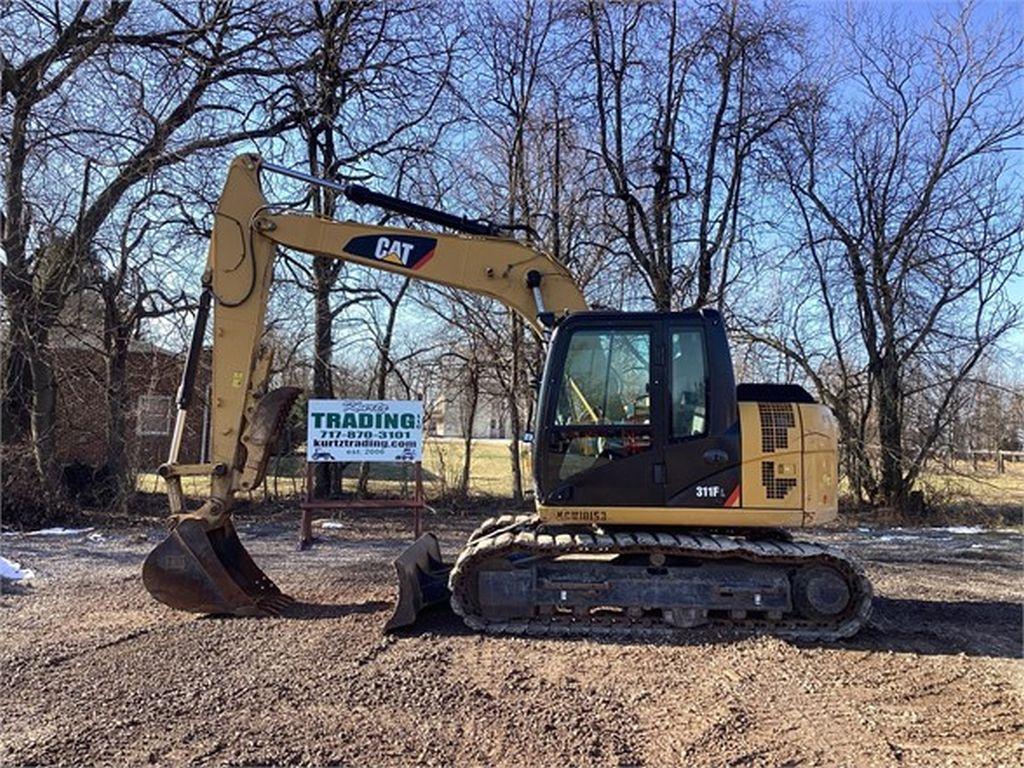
676	516
586	403
488	266
821	470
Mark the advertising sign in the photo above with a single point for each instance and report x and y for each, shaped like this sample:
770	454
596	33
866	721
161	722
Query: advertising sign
364	430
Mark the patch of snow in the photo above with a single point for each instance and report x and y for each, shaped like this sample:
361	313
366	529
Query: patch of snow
12	571
59	532
96	537
893	537
960	529
331	524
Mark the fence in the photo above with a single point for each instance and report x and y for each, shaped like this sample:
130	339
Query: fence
1001	457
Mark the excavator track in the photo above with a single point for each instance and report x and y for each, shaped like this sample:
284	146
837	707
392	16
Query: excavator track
508	552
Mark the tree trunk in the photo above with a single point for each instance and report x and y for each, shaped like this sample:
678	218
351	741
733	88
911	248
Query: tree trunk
44	421
858	466
117	408
380	383
892	488
16	282
469	417
378	391
661	291
17	387
323	387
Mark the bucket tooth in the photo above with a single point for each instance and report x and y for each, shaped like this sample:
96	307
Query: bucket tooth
422	581
209	572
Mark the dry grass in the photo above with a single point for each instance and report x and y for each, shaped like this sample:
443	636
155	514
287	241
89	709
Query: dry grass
958	493
963	493
490	474
982	484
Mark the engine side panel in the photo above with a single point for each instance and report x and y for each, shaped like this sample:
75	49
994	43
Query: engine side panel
821	468
772	444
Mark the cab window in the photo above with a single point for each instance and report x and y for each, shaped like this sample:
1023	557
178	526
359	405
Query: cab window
606	379
689	383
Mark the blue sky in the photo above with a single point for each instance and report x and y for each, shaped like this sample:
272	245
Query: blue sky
914	13
816	12
919	13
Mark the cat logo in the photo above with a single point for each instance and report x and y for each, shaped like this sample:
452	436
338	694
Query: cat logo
394	251
407	251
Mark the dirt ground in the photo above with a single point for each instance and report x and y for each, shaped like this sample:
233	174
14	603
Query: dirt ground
92	671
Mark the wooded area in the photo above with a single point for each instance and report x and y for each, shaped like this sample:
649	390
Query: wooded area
846	186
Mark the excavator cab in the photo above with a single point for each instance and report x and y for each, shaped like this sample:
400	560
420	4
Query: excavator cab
628	406
624	398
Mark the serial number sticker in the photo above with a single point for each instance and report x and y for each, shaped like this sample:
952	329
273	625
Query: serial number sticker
582	515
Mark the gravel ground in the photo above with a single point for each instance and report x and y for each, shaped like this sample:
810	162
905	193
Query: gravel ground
92	671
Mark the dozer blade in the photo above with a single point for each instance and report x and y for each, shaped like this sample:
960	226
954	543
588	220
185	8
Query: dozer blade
210	572
422	581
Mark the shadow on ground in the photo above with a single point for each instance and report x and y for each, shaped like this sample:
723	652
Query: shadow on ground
927	627
943	627
314	611
436	620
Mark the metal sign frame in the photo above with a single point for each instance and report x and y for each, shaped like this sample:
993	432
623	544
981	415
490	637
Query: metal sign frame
416	503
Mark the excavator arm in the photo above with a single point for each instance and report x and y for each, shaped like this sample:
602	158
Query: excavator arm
202	566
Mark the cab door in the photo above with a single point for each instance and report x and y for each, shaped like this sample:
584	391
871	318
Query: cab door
702	448
599	436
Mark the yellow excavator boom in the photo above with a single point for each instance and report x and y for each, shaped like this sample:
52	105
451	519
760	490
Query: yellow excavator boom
244	416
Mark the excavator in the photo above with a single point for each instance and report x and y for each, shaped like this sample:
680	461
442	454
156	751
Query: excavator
664	492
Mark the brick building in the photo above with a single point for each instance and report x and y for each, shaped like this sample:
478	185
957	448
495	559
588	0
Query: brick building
153	375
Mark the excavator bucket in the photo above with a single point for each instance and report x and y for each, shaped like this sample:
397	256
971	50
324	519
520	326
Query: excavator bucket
422	581
210	572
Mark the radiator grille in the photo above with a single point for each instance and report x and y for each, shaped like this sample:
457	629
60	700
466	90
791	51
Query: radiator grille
775	487
776	421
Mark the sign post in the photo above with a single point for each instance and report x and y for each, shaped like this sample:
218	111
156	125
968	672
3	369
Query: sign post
363	430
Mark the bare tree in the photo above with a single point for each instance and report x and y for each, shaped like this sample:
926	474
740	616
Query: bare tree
384	335
470	370
627	139
912	225
683	98
371	77
513	49
992	414
59	59
35	280
131	293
